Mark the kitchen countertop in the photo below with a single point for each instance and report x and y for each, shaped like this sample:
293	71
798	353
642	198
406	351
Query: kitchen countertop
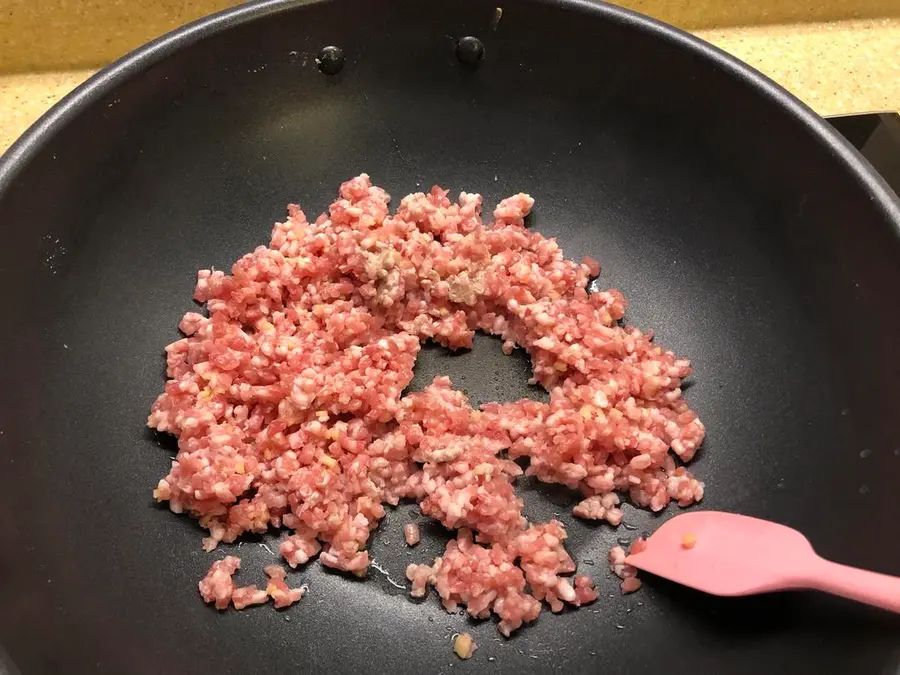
836	68
846	63
26	96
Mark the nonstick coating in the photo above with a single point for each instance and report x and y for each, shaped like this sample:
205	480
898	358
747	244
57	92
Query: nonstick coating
748	236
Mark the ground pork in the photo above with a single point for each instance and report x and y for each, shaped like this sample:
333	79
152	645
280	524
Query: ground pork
278	590
218	586
411	534
627	573
287	400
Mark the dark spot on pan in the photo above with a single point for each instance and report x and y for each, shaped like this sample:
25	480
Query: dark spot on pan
330	60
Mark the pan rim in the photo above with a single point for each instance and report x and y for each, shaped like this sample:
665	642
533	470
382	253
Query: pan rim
29	144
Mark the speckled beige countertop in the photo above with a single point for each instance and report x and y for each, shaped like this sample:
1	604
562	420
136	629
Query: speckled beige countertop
839	56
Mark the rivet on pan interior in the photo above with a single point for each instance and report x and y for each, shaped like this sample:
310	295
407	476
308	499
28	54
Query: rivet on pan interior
330	60
470	50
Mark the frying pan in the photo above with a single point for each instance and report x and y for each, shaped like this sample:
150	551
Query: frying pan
752	239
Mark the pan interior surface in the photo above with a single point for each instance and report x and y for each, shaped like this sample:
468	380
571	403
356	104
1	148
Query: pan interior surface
734	228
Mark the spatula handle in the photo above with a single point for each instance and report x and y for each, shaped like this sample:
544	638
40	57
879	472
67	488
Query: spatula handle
872	588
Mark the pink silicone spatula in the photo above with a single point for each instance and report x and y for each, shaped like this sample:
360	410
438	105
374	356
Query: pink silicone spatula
730	554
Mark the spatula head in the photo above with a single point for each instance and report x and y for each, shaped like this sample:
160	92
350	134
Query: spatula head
725	553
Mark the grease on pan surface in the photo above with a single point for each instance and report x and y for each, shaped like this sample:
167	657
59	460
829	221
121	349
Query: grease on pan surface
288	403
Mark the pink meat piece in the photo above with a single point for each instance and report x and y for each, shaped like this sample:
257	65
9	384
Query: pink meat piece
248	595
627	573
277	588
297	549
421	577
217	586
411	534
585	591
600	508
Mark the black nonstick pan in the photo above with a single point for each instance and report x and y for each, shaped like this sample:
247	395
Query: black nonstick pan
748	235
